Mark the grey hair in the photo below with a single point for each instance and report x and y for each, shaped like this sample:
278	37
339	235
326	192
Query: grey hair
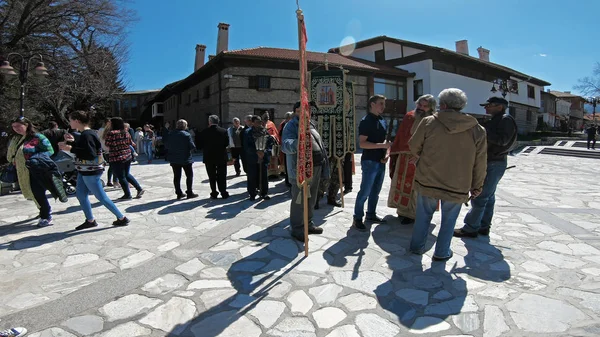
213	119
181	124
288	114
453	98
235	119
249	117
430	99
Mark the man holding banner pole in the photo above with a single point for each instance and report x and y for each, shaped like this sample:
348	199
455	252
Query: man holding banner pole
303	198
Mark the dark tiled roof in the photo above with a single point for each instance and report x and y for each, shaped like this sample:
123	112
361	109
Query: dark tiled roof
315	57
382	38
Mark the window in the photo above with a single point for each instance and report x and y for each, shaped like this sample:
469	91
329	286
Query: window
417	89
389	88
206	91
529	115
259	82
380	56
512	111
513	86
531	91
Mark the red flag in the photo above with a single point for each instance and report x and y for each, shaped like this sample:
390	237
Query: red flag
305	164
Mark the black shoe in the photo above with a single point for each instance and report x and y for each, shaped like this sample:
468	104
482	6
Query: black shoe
121	222
191	195
334	203
359	225
180	196
347	190
86	225
109	185
317	205
376	219
140	193
440	259
407	221
237	174
252	198
315	230
265	197
484	231
214	195
299	237
460	233
225	195
125	197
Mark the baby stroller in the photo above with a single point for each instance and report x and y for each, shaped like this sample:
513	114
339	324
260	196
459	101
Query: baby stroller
66	166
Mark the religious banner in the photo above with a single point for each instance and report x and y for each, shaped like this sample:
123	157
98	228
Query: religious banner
350	110
327	92
305	165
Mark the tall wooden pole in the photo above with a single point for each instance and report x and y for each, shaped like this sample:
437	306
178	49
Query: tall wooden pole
304	186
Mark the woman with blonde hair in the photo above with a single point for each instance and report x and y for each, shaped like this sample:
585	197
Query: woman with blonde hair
180	148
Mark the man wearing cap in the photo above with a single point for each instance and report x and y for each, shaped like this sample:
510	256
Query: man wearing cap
501	136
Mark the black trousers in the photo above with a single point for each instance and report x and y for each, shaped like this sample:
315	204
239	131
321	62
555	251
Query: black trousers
258	179
236	155
217	176
348	171
189	177
593	141
39	193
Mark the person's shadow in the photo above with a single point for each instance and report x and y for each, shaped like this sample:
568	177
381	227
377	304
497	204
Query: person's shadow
253	278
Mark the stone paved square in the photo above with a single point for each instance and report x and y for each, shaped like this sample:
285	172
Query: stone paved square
205	267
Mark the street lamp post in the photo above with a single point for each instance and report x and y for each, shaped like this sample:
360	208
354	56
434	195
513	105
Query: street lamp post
593	101
39	70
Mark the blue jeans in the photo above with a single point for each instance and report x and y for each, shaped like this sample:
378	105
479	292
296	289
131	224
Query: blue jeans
121	170
482	208
425	208
87	184
373	173
149	150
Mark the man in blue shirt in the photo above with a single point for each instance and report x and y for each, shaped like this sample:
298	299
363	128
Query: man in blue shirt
372	132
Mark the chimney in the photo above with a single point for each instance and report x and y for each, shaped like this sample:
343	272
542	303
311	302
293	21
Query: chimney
462	47
484	54
222	37
210	57
200	53
567	92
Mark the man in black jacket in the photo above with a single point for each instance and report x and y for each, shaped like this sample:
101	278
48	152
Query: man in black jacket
214	141
54	135
501	136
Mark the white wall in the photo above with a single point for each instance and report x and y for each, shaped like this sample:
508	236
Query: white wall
422	69
368	52
477	91
522	96
392	50
408	51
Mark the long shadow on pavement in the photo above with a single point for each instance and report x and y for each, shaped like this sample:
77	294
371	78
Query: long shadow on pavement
38	240
253	278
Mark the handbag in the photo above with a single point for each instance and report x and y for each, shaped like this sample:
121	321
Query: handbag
9	174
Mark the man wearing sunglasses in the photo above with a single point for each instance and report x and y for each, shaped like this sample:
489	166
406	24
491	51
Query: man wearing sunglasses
501	136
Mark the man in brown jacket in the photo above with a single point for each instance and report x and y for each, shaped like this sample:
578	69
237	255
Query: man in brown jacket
452	151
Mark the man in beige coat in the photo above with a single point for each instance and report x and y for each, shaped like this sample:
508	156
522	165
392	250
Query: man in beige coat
452	151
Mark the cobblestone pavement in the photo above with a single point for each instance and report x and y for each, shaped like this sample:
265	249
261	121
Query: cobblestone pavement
206	267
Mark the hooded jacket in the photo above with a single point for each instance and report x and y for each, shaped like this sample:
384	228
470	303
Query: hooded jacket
452	151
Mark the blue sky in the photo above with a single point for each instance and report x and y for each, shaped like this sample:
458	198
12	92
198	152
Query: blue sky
552	40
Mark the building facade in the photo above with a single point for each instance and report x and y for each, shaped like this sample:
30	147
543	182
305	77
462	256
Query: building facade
554	111
133	106
236	83
436	69
576	110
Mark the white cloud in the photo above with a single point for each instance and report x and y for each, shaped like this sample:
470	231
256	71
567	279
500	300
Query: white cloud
543	55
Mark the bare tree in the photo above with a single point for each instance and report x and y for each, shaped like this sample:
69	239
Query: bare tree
83	43
590	85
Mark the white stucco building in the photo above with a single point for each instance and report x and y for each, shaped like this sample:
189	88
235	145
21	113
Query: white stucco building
437	68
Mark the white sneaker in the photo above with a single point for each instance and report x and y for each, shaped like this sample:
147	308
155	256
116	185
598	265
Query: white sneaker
14	332
43	223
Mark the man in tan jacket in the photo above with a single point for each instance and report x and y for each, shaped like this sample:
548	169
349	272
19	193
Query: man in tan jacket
452	151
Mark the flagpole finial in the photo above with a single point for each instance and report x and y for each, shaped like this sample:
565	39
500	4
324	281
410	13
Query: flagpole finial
297	4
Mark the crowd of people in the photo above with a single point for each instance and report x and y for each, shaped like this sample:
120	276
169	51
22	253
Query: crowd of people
440	159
